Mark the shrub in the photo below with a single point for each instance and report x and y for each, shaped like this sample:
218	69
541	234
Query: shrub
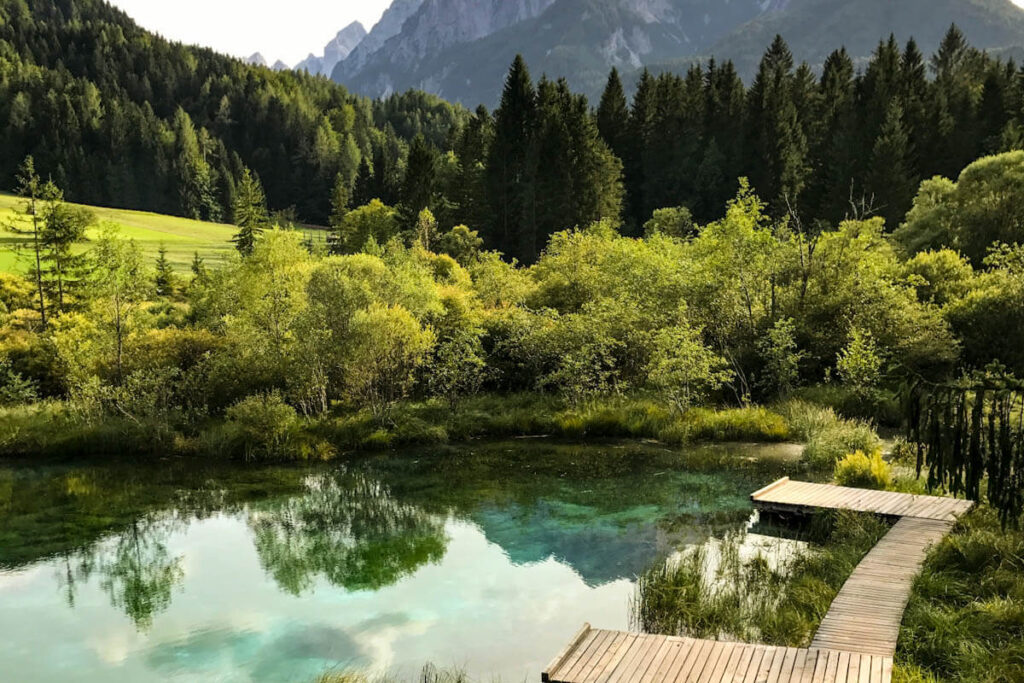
264	425
864	471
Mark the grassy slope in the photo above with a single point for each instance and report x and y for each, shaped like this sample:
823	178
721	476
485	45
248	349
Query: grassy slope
182	236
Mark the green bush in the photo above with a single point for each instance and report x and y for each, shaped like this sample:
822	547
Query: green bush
864	471
264	426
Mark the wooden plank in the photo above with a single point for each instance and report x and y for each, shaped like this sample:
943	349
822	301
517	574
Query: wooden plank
569	649
593	650
770	487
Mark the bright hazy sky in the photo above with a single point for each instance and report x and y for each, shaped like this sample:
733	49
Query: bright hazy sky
280	29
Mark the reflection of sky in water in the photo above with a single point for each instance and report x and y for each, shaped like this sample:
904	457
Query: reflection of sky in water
229	622
454	562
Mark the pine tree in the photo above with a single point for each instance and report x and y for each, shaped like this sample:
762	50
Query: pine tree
341	199
30	188
195	185
890	177
62	271
835	146
362	191
470	191
511	167
419	183
250	212
613	115
778	147
641	116
164	273
198	266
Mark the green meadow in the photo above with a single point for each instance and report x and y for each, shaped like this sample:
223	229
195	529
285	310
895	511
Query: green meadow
182	237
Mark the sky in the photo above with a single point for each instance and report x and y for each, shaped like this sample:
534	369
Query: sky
279	29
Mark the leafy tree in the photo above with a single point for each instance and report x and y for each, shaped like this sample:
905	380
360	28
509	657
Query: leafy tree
462	244
684	368
426	230
250	213
388	345
118	287
676	222
374	222
781	356
860	363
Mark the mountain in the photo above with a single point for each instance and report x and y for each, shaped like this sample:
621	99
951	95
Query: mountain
460	49
813	28
339	48
256	59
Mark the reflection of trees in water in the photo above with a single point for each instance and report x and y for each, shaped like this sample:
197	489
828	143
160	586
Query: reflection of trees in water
348	529
135	570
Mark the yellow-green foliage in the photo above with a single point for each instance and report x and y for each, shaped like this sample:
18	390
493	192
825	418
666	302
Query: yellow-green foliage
864	471
827	437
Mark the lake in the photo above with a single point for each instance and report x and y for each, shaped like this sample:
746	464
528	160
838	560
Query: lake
486	557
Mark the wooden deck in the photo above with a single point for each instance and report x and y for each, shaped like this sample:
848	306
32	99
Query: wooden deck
597	656
855	642
798	496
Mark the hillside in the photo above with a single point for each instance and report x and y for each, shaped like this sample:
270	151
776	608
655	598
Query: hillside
118	116
181	236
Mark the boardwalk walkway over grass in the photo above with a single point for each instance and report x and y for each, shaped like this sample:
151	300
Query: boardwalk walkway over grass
855	642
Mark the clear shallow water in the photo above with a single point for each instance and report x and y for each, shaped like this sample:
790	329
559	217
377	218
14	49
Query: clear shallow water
486	557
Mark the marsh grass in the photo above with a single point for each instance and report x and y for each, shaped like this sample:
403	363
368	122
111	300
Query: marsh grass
755	600
828	437
965	620
428	674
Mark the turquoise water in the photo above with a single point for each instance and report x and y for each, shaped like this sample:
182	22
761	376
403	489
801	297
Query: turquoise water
487	558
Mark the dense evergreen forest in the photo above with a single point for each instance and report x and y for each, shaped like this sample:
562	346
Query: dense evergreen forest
117	116
120	117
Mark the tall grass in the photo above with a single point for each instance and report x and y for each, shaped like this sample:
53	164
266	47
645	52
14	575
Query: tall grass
965	620
428	674
752	600
827	437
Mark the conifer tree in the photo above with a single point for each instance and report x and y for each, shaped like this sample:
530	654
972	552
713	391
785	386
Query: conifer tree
890	178
164	273
641	115
30	188
834	142
613	115
362	190
419	183
470	190
341	199
778	146
511	166
250	214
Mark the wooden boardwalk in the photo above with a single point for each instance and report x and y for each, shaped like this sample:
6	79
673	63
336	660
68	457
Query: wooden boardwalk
855	642
798	496
867	612
597	656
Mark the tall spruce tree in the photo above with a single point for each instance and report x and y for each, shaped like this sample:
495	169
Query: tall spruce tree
419	185
250	212
778	147
890	176
641	115
511	166
613	115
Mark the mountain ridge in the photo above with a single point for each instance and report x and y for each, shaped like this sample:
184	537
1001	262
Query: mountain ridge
460	49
